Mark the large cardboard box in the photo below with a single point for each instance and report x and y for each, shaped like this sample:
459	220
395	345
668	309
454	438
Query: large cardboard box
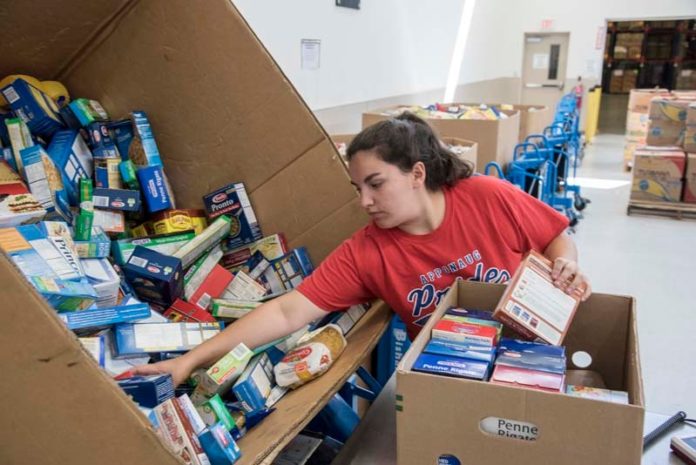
533	118
690	179
469	152
496	138
438	416
222	111
658	174
639	99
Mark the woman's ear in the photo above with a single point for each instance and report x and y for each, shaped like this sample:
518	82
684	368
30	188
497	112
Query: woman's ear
418	174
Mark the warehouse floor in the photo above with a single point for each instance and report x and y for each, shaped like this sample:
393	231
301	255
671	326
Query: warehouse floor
650	258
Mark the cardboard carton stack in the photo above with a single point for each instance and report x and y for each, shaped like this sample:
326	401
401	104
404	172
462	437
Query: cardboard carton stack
661	166
637	120
495	128
92	225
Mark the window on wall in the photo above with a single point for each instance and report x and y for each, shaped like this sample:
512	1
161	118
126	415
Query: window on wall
553	62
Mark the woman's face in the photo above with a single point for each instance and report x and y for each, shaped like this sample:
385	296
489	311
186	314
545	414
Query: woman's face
387	194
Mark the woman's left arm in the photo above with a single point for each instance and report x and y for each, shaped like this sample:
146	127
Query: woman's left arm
566	272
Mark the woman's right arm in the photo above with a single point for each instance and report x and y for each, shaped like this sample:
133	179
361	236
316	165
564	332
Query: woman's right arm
270	321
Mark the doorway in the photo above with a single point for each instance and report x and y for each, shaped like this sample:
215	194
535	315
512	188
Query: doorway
544	68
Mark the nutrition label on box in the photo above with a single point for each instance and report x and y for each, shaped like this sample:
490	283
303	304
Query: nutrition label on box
539	298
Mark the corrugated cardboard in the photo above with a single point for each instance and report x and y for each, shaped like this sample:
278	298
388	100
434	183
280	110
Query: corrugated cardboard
572	431
657	174
222	111
639	99
690	179
496	138
471	155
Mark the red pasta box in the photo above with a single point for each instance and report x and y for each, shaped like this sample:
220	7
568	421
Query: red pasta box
533	306
532	379
465	332
212	287
182	311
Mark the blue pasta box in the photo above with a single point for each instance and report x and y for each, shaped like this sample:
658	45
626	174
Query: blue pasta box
116	199
531	356
96	318
107	173
136	339
34	107
469	313
155	189
98	246
88	111
100	140
148	391
451	366
63	295
255	383
149	155
233	201
219	445
155	277
69	118
123	136
73	159
461	350
287	272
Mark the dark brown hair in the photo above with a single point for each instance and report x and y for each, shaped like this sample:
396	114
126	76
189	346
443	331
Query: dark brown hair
407	139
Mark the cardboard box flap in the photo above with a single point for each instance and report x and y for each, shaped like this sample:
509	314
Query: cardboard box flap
220	108
53	384
42	36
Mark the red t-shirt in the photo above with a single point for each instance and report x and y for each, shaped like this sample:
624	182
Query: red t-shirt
488	226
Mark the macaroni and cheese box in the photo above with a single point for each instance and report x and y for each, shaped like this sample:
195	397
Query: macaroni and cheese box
531	379
116	199
35	108
219	446
173	221
254	384
143	150
95	318
461	350
100	141
199	245
232	200
451	366
287	272
88	111
136	339
223	373
166	245
148	391
465	333
98	246
63	295
212	287
155	277
186	312
535	308
107	173
74	160
155	189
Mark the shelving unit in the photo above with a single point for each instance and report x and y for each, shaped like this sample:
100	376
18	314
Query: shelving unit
642	54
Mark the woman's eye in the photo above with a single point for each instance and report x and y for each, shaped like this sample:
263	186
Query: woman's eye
376	185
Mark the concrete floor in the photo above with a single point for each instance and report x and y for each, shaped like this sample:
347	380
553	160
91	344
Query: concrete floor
652	259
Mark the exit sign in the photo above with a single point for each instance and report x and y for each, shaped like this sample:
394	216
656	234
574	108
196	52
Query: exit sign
546	24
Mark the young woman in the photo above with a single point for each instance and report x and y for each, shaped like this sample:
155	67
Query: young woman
432	221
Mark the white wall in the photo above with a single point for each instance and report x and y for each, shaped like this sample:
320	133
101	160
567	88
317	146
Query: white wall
392	48
388	47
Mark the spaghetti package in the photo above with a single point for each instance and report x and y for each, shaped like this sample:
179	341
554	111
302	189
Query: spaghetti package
314	354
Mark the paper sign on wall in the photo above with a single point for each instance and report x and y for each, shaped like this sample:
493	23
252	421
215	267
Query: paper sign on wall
540	61
311	49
